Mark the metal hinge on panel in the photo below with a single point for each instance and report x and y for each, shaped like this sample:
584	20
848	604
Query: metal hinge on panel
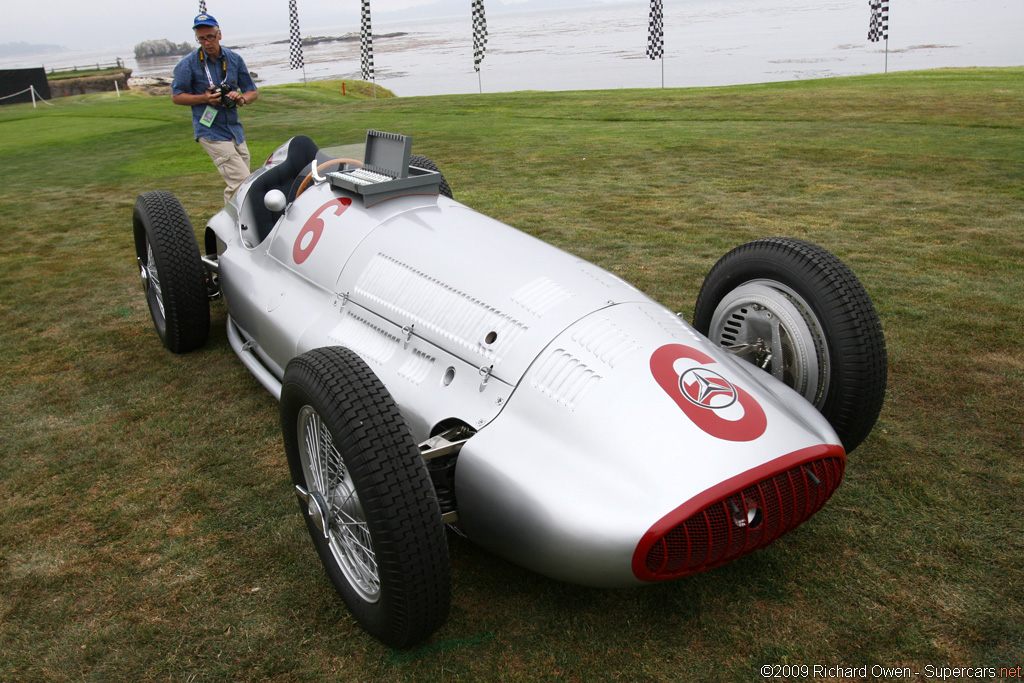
486	374
407	330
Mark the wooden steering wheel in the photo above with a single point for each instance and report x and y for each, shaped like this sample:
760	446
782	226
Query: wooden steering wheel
321	167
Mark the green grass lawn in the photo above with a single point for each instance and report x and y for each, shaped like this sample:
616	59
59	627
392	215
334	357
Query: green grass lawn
85	72
149	529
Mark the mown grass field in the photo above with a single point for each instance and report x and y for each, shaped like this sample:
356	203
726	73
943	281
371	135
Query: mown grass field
84	72
149	531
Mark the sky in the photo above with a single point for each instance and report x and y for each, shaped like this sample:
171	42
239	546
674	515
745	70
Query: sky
120	24
77	24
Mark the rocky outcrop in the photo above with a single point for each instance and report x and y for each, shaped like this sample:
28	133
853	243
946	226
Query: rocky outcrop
161	48
150	85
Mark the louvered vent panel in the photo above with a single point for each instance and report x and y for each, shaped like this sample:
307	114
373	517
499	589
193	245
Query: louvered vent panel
564	378
431	305
366	339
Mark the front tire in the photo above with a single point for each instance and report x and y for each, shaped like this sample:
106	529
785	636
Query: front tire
366	496
798	312
172	272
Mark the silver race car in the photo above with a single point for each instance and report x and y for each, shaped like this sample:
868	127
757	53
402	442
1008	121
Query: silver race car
437	367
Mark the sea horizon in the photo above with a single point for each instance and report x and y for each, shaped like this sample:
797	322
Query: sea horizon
706	43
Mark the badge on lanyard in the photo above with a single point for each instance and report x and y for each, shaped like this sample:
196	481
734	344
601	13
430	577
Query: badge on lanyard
209	114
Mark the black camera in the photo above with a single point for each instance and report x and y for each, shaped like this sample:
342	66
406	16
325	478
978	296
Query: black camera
224	88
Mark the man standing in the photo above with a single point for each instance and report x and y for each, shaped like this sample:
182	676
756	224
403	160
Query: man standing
215	81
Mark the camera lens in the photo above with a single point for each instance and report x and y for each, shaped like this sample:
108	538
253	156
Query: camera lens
224	99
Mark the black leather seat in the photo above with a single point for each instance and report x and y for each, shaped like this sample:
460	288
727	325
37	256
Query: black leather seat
301	153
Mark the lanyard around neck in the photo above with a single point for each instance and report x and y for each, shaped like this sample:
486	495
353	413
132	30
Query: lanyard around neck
223	65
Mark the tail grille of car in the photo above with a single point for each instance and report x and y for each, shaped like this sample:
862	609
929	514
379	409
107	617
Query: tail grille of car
744	521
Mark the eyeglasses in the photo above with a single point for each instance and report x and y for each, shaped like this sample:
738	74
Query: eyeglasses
207	39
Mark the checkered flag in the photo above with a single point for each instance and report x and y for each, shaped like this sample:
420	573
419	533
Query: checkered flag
878	29
366	43
202	6
656	31
479	33
295	60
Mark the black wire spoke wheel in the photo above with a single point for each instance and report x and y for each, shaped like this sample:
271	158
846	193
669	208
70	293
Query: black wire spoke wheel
171	270
366	496
798	312
334	505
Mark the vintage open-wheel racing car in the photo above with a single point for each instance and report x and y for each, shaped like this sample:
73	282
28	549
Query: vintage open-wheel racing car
435	366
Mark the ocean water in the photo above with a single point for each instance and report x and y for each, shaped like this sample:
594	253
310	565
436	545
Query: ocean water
707	42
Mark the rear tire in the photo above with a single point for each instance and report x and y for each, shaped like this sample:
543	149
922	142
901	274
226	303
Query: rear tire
421	161
366	496
798	312
172	272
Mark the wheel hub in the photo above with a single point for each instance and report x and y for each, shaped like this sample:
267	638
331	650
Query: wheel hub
151	278
316	506
334	507
771	328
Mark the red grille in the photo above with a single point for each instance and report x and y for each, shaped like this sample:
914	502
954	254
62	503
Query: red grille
739	523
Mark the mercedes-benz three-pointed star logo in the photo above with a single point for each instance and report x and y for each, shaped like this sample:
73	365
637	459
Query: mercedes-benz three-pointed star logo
707	389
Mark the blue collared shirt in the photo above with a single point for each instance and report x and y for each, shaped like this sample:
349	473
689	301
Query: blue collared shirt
190	77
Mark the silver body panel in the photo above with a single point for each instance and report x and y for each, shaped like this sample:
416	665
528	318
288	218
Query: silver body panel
565	370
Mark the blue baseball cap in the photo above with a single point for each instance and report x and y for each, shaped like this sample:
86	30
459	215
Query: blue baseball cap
204	20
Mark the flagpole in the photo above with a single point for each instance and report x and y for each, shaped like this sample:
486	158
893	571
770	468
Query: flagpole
656	35
884	7
296	60
366	69
878	26
479	21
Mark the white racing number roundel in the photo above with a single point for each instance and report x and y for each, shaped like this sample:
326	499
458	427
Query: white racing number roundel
707	398
305	241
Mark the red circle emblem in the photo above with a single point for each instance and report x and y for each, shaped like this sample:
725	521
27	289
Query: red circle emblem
701	393
307	238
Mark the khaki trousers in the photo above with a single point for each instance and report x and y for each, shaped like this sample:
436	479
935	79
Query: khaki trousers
231	160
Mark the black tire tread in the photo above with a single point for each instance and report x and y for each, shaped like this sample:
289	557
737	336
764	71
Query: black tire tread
852	327
394	488
186	322
425	162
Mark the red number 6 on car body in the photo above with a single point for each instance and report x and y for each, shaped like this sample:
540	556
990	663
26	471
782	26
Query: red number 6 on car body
307	238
